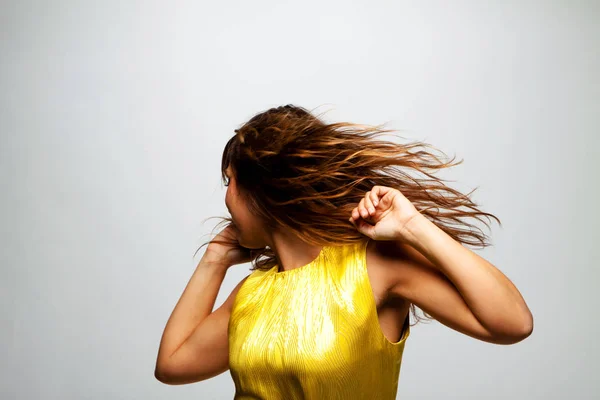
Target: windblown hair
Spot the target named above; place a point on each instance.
(298, 173)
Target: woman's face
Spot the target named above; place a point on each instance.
(251, 234)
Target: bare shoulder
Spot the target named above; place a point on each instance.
(398, 262)
(383, 278)
(392, 311)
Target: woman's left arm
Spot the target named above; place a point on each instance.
(493, 300)
(489, 294)
(427, 267)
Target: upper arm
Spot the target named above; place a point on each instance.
(413, 277)
(205, 353)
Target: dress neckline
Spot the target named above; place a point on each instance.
(314, 262)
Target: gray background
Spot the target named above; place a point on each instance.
(114, 115)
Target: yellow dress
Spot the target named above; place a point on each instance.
(313, 333)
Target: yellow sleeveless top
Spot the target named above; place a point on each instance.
(313, 333)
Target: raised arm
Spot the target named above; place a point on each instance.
(194, 345)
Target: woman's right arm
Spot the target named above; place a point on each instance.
(194, 345)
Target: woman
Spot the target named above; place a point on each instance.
(350, 242)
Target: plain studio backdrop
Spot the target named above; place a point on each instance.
(113, 119)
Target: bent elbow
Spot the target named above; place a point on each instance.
(527, 328)
(518, 334)
(160, 375)
(163, 375)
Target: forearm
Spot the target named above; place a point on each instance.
(490, 295)
(196, 303)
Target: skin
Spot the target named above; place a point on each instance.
(204, 353)
(292, 253)
(425, 267)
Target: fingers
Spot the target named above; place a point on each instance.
(374, 197)
(367, 205)
(360, 210)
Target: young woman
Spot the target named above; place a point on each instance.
(344, 242)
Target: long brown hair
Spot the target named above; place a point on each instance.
(298, 173)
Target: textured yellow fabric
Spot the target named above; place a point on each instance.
(313, 333)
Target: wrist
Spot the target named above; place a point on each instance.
(215, 261)
(413, 228)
